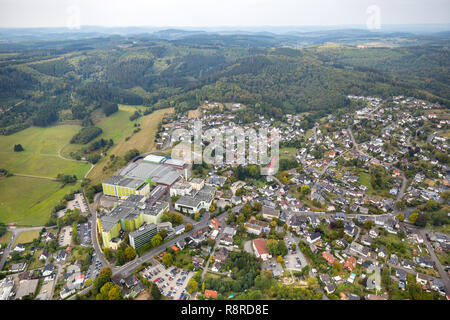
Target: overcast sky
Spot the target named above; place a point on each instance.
(219, 13)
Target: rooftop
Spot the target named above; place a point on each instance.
(260, 245)
(142, 230)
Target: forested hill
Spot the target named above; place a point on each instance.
(45, 82)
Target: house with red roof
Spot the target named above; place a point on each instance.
(329, 257)
(259, 247)
(211, 294)
(396, 173)
(214, 223)
(350, 263)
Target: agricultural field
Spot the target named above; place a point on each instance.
(29, 201)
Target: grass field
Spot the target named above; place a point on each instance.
(364, 179)
(120, 127)
(26, 237)
(291, 153)
(36, 262)
(115, 127)
(6, 238)
(43, 166)
(308, 133)
(142, 92)
(444, 257)
(29, 201)
(40, 157)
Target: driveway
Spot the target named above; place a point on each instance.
(377, 278)
(248, 246)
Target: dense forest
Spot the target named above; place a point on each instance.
(76, 77)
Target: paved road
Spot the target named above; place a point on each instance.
(95, 242)
(357, 234)
(350, 132)
(439, 267)
(322, 172)
(205, 268)
(132, 265)
(277, 181)
(15, 234)
(55, 280)
(402, 190)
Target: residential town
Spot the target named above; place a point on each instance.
(358, 210)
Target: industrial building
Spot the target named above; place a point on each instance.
(196, 200)
(143, 235)
(130, 215)
(139, 177)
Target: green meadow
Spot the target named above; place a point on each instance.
(29, 201)
(5, 239)
(40, 157)
(115, 127)
(288, 153)
(364, 179)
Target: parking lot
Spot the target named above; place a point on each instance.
(65, 237)
(94, 268)
(275, 267)
(84, 231)
(171, 281)
(80, 203)
(46, 290)
(295, 260)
